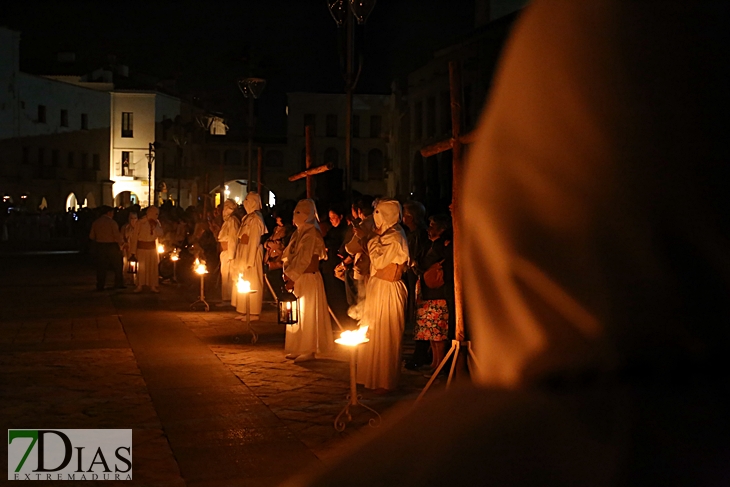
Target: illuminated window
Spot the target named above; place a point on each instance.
(127, 124)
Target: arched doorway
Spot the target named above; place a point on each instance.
(90, 201)
(125, 199)
(72, 203)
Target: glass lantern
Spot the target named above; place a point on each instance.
(288, 309)
(132, 265)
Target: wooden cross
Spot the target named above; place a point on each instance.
(455, 143)
(310, 171)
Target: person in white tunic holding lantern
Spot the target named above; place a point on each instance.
(250, 256)
(313, 332)
(228, 239)
(143, 245)
(378, 362)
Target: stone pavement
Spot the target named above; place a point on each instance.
(207, 406)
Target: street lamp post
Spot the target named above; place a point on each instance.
(343, 12)
(251, 89)
(150, 161)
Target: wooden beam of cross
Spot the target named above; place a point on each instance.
(310, 171)
(455, 143)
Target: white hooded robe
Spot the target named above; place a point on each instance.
(228, 234)
(250, 256)
(313, 332)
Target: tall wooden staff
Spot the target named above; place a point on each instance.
(455, 144)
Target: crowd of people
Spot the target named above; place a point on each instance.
(377, 264)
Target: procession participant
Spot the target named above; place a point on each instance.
(127, 231)
(249, 259)
(378, 361)
(144, 247)
(357, 248)
(107, 242)
(414, 215)
(313, 333)
(228, 239)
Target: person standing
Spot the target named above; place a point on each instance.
(378, 361)
(414, 215)
(144, 248)
(108, 246)
(228, 239)
(313, 333)
(250, 255)
(127, 230)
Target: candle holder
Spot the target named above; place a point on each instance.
(201, 270)
(174, 257)
(353, 339)
(244, 287)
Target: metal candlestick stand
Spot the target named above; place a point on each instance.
(254, 335)
(353, 398)
(201, 299)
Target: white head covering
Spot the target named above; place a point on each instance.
(596, 236)
(229, 206)
(387, 213)
(305, 213)
(252, 202)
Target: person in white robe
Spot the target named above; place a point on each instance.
(313, 333)
(228, 240)
(127, 230)
(249, 260)
(379, 360)
(143, 246)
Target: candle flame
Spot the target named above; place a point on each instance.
(243, 286)
(160, 249)
(200, 267)
(353, 337)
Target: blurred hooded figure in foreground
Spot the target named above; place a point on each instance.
(596, 262)
(249, 259)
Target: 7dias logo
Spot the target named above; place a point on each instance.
(69, 454)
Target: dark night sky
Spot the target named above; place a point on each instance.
(205, 45)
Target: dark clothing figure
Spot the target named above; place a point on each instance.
(107, 245)
(335, 288)
(418, 245)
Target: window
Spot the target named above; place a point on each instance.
(84, 160)
(70, 160)
(355, 165)
(126, 160)
(127, 124)
(54, 158)
(41, 156)
(445, 113)
(418, 121)
(310, 119)
(96, 162)
(430, 117)
(376, 125)
(26, 155)
(41, 114)
(331, 156)
(84, 121)
(376, 168)
(64, 118)
(274, 158)
(331, 125)
(356, 125)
